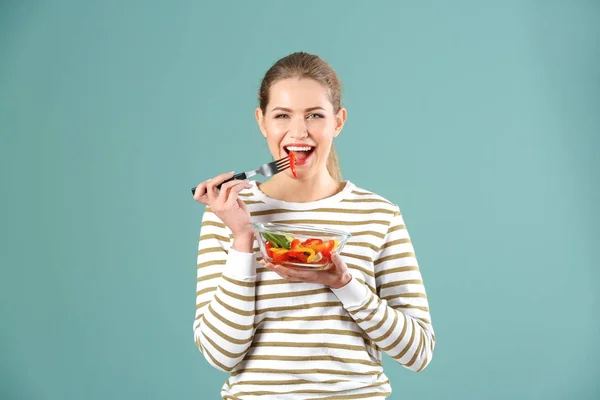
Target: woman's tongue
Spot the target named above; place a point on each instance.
(302, 155)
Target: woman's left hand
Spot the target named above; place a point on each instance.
(335, 276)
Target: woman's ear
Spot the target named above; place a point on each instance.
(340, 120)
(260, 119)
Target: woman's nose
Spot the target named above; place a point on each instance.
(299, 129)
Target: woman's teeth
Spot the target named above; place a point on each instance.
(295, 148)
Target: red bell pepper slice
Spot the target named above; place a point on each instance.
(325, 248)
(269, 251)
(299, 255)
(328, 247)
(293, 164)
(279, 258)
(295, 243)
(311, 242)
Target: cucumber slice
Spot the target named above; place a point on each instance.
(278, 240)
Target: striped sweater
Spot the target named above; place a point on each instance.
(297, 340)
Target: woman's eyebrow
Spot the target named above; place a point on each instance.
(289, 110)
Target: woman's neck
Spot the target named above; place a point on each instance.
(282, 187)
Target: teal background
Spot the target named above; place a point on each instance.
(480, 119)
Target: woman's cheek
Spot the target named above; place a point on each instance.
(280, 125)
(276, 129)
(317, 124)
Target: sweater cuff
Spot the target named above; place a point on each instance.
(353, 294)
(240, 265)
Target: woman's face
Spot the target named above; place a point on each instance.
(300, 117)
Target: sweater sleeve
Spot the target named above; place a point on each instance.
(225, 292)
(397, 318)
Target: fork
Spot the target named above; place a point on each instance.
(268, 169)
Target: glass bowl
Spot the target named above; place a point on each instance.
(299, 246)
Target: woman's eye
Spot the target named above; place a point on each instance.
(278, 116)
(316, 116)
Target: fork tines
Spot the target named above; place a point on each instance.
(282, 163)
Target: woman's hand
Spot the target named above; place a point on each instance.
(226, 204)
(335, 277)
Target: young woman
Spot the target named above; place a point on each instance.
(284, 333)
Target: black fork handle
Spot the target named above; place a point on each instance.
(240, 176)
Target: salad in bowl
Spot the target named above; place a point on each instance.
(296, 245)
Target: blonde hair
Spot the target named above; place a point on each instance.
(305, 65)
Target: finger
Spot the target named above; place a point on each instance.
(200, 193)
(232, 195)
(278, 269)
(298, 274)
(337, 260)
(273, 268)
(211, 191)
(288, 277)
(226, 188)
(221, 194)
(231, 189)
(211, 187)
(242, 205)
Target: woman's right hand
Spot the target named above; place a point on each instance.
(226, 204)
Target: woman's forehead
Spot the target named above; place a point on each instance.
(298, 94)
